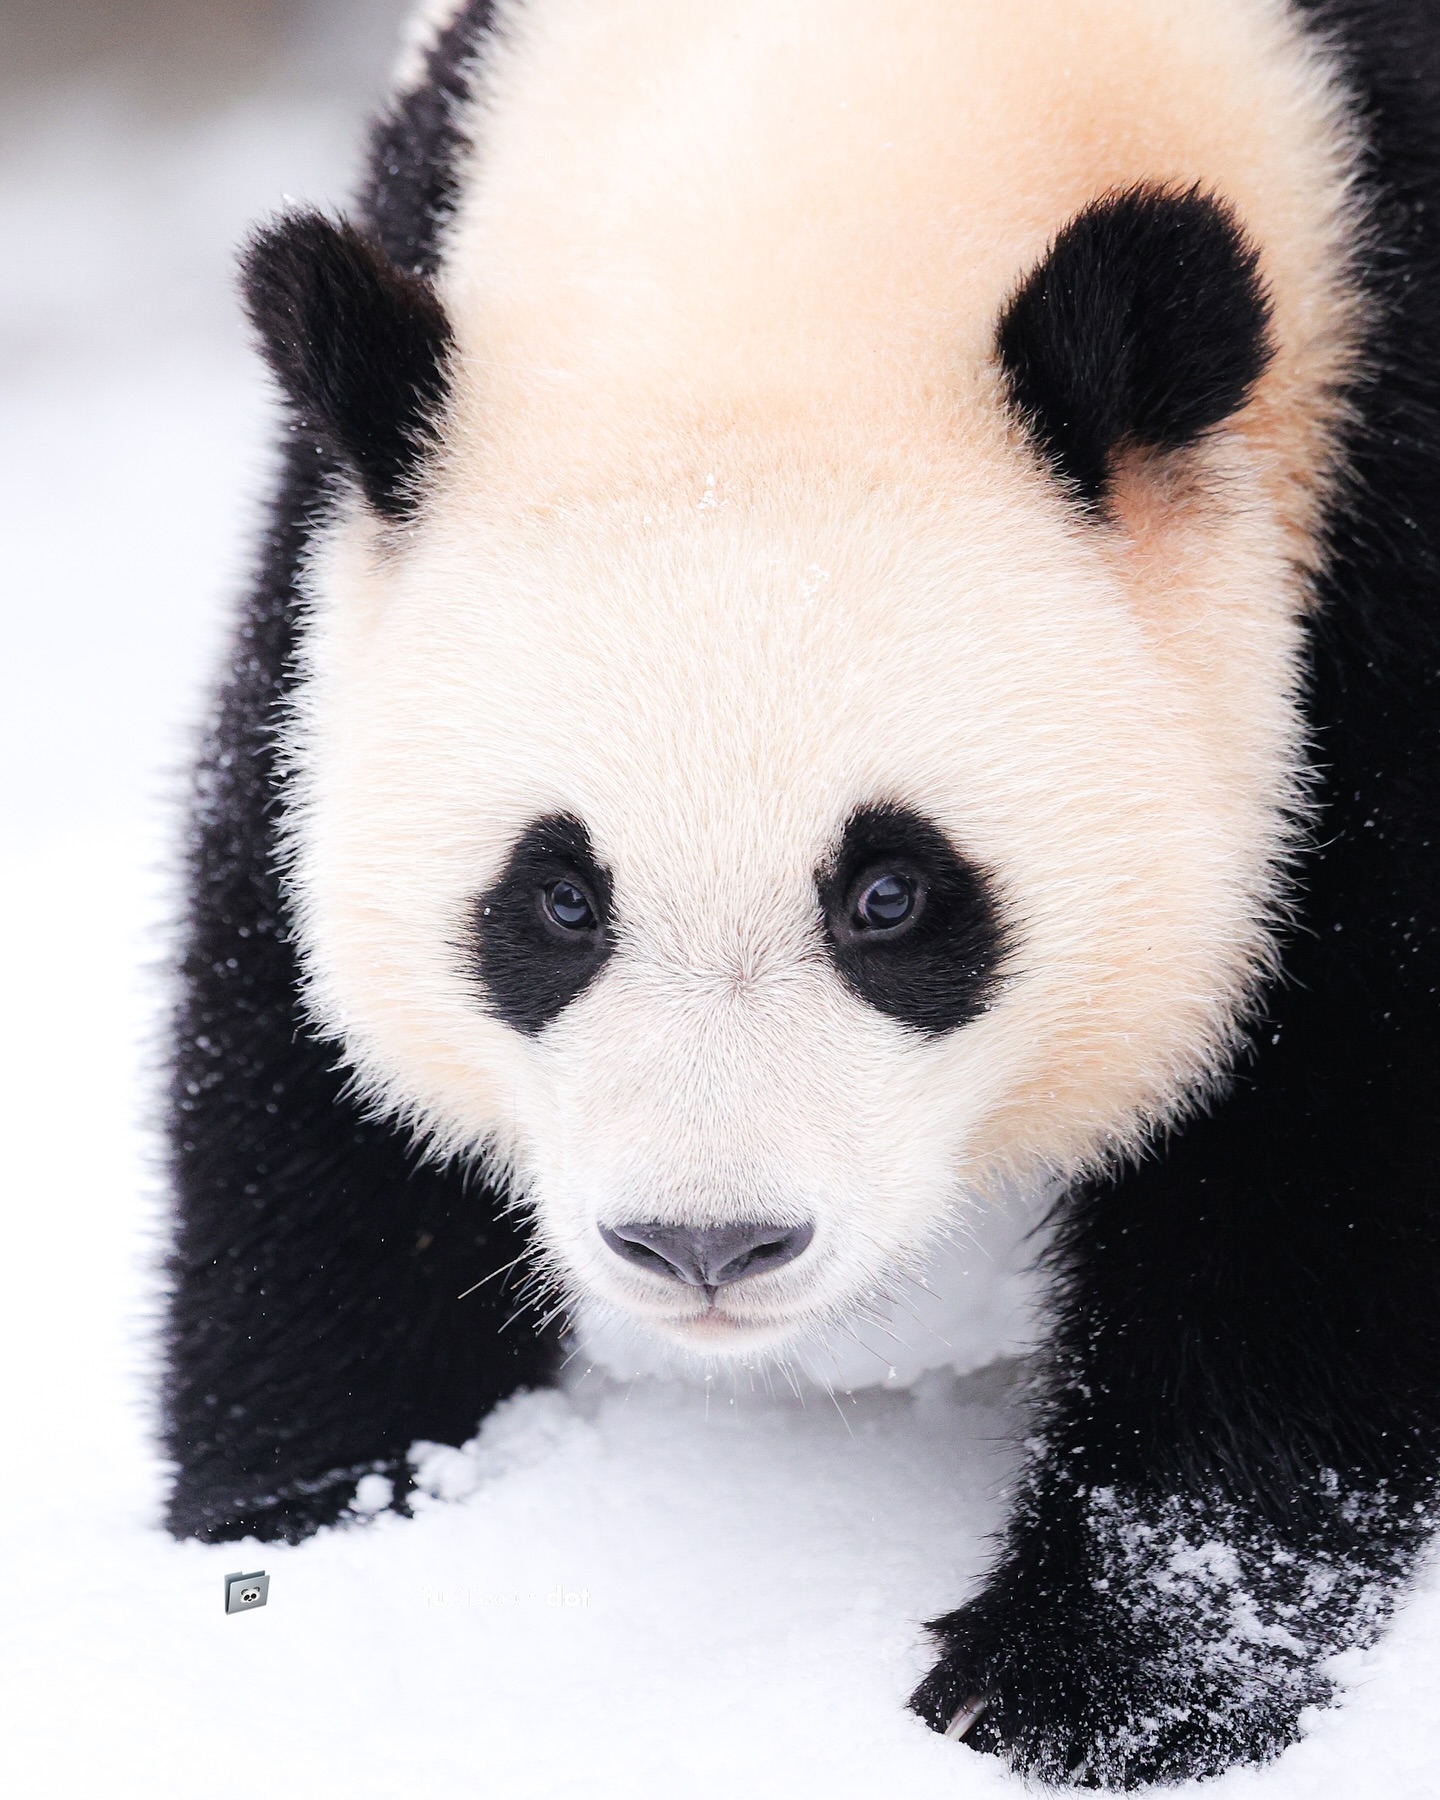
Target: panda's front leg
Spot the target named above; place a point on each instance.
(1230, 1472)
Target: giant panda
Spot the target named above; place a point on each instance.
(853, 617)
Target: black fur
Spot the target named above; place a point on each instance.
(940, 970)
(410, 189)
(1241, 1403)
(314, 1330)
(358, 346)
(1145, 325)
(530, 970)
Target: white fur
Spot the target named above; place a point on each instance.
(731, 535)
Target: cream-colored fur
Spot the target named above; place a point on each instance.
(731, 535)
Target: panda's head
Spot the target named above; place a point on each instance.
(758, 837)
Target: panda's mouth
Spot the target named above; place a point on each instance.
(717, 1331)
(720, 1322)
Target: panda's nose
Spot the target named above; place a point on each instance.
(709, 1256)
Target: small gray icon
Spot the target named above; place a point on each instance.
(243, 1593)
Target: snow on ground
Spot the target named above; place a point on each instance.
(635, 1588)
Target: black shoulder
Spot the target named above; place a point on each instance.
(412, 181)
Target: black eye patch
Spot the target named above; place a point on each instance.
(912, 926)
(542, 933)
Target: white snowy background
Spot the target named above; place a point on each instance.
(634, 1587)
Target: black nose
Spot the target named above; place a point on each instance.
(709, 1256)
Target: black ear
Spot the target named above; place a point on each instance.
(1145, 325)
(358, 346)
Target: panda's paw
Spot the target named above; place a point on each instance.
(1071, 1702)
(1075, 1713)
(1000, 1689)
(1129, 1642)
(218, 1511)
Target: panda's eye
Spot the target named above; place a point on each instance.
(911, 924)
(568, 905)
(886, 902)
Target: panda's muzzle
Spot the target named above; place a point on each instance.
(708, 1257)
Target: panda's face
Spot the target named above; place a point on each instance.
(798, 715)
(756, 873)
